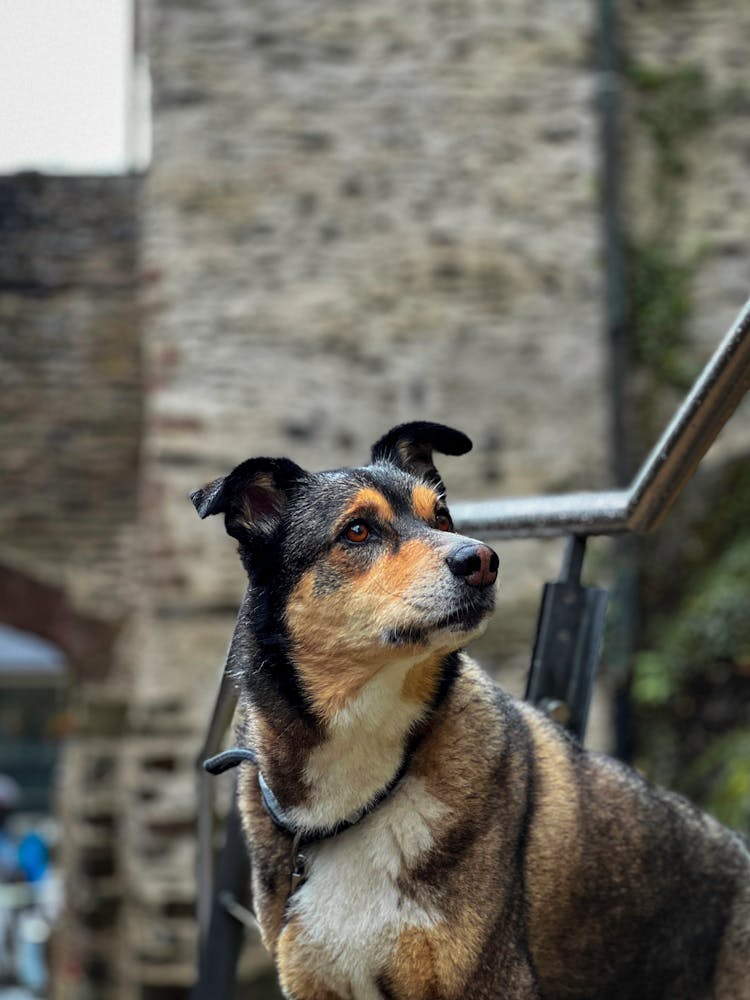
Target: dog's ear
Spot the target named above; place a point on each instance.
(253, 497)
(410, 447)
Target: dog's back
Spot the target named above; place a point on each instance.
(632, 891)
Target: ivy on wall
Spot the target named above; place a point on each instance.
(691, 683)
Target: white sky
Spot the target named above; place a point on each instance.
(66, 86)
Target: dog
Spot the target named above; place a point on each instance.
(414, 832)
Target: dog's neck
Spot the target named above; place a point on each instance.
(325, 768)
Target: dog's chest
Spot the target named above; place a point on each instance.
(347, 917)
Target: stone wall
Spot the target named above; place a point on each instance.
(685, 115)
(358, 216)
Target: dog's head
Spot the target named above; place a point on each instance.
(358, 567)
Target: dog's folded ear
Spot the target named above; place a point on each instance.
(252, 497)
(411, 446)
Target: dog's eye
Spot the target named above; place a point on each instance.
(443, 521)
(357, 532)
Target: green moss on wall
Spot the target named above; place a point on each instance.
(661, 303)
(691, 682)
(692, 689)
(670, 106)
(673, 105)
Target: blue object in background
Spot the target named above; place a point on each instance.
(33, 857)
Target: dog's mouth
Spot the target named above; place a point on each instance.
(463, 620)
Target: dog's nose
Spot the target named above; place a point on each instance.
(475, 562)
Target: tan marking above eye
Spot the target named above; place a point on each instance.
(425, 504)
(424, 501)
(368, 499)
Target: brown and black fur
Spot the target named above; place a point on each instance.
(507, 862)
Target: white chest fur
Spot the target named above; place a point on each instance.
(363, 750)
(351, 909)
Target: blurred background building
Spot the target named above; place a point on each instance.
(519, 218)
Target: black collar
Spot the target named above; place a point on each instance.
(237, 755)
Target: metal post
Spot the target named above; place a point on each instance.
(220, 949)
(569, 634)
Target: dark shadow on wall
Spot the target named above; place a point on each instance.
(46, 611)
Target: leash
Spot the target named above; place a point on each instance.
(301, 838)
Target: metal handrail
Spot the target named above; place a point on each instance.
(673, 460)
(640, 508)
